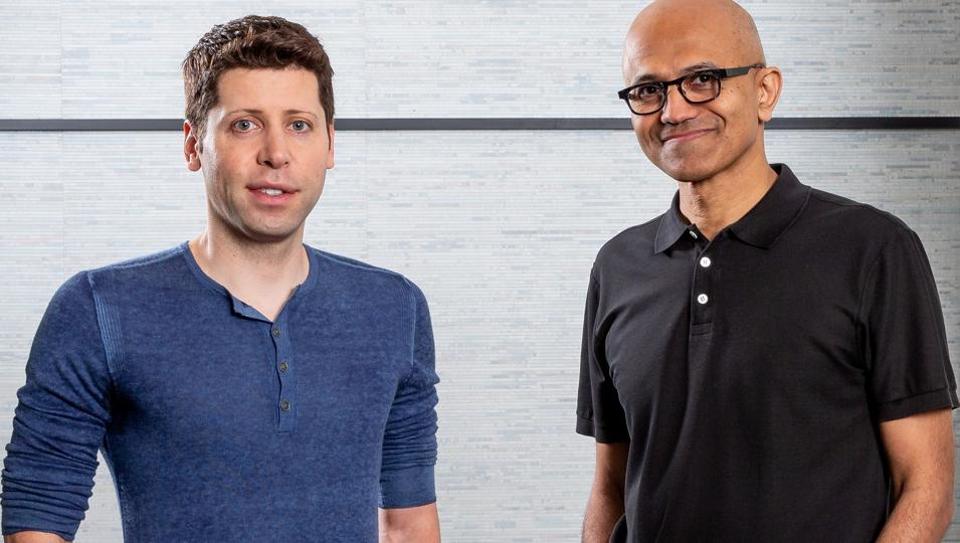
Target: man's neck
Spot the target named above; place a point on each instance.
(262, 274)
(717, 202)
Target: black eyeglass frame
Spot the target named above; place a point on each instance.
(719, 73)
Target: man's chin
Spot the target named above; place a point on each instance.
(273, 236)
(269, 234)
(680, 164)
(685, 173)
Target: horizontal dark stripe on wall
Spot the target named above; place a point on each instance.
(513, 123)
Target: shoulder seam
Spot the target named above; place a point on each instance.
(107, 343)
(885, 215)
(138, 262)
(863, 291)
(344, 261)
(413, 329)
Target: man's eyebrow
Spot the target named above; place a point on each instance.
(242, 110)
(644, 78)
(705, 65)
(301, 112)
(260, 112)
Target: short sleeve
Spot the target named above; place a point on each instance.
(409, 442)
(904, 338)
(599, 413)
(60, 420)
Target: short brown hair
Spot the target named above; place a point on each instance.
(251, 42)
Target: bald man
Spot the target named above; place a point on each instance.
(765, 361)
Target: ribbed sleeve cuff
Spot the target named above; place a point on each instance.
(28, 519)
(409, 487)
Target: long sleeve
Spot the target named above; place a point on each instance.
(60, 419)
(409, 443)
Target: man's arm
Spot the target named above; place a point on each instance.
(408, 511)
(59, 422)
(605, 505)
(410, 525)
(919, 449)
(33, 537)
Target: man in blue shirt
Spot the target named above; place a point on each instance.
(242, 386)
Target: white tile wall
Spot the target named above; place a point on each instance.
(435, 58)
(498, 228)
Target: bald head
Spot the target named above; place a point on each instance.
(699, 136)
(720, 29)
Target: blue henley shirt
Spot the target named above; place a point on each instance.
(218, 424)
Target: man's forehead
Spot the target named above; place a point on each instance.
(268, 88)
(668, 60)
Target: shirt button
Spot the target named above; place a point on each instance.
(276, 332)
(692, 234)
(702, 299)
(284, 405)
(705, 262)
(283, 367)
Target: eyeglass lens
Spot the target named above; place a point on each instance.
(696, 88)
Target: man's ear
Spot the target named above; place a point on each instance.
(330, 133)
(768, 93)
(191, 146)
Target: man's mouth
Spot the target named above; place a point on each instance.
(271, 188)
(683, 136)
(272, 194)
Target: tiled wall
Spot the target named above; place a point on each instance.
(498, 228)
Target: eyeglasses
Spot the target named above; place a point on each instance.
(696, 88)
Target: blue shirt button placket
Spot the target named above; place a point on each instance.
(284, 374)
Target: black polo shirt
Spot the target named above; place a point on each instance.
(749, 373)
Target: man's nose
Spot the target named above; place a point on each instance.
(274, 152)
(676, 109)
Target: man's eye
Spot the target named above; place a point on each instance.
(704, 79)
(243, 125)
(646, 92)
(300, 126)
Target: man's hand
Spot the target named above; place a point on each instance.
(410, 525)
(920, 452)
(32, 537)
(605, 505)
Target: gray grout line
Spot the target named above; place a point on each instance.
(513, 123)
